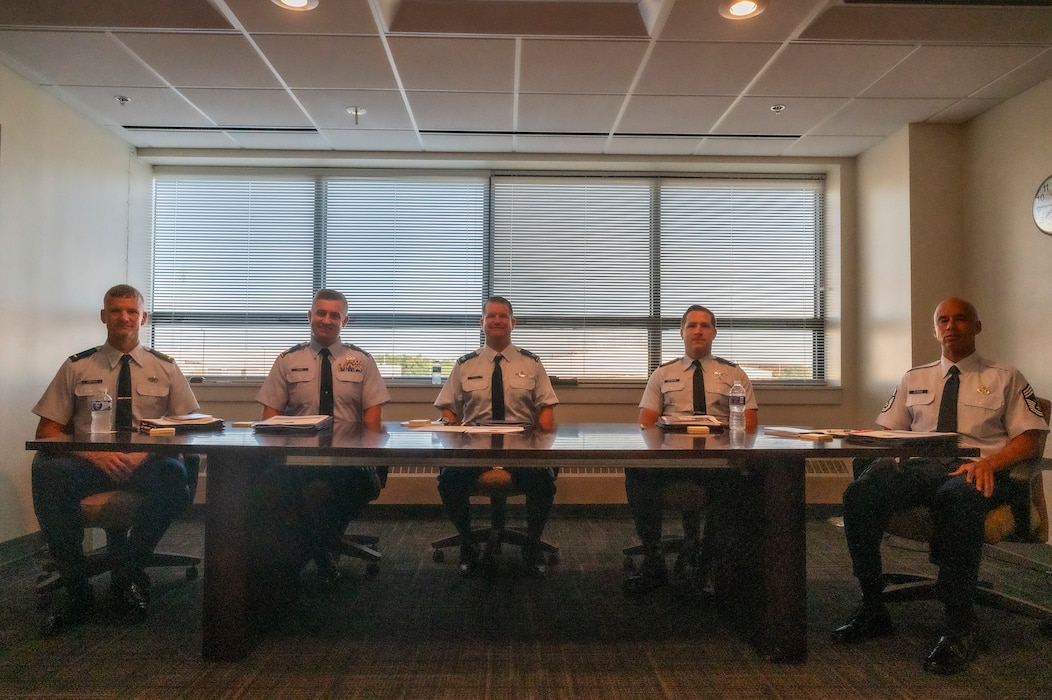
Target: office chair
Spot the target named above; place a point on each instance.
(693, 550)
(114, 512)
(497, 485)
(1023, 519)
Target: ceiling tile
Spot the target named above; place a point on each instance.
(145, 106)
(667, 114)
(752, 147)
(579, 67)
(168, 14)
(486, 65)
(373, 139)
(62, 58)
(471, 111)
(564, 144)
(634, 145)
(220, 60)
(949, 71)
(569, 113)
(700, 20)
(817, 70)
(963, 110)
(831, 146)
(329, 61)
(328, 108)
(286, 141)
(702, 69)
(329, 17)
(868, 117)
(248, 107)
(1020, 78)
(470, 143)
(753, 115)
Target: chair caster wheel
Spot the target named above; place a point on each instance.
(628, 565)
(191, 573)
(438, 556)
(372, 568)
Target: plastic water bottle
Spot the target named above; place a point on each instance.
(102, 412)
(436, 372)
(737, 408)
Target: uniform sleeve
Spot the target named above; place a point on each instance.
(57, 403)
(181, 399)
(544, 393)
(895, 415)
(651, 399)
(1021, 410)
(275, 391)
(374, 391)
(447, 395)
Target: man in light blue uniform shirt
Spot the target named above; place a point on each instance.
(528, 397)
(670, 391)
(332, 496)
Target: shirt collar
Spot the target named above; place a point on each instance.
(968, 364)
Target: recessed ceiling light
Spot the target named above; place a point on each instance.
(301, 5)
(742, 9)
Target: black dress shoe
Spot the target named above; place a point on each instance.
(133, 598)
(650, 577)
(76, 609)
(952, 653)
(866, 623)
(469, 560)
(534, 560)
(329, 573)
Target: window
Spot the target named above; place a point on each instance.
(599, 268)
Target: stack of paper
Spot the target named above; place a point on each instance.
(683, 421)
(292, 424)
(183, 423)
(900, 437)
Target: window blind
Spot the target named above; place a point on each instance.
(599, 267)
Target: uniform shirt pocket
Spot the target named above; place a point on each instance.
(353, 377)
(476, 383)
(520, 382)
(298, 375)
(916, 399)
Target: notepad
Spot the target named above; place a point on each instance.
(292, 424)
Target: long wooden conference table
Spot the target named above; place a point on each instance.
(233, 605)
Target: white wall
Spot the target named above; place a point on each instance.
(1009, 260)
(64, 222)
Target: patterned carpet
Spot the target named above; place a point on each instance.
(417, 630)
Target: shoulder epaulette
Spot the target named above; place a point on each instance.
(529, 354)
(670, 362)
(352, 346)
(160, 355)
(470, 356)
(84, 353)
(725, 362)
(930, 364)
(294, 348)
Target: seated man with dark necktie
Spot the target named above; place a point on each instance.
(146, 384)
(498, 382)
(699, 383)
(992, 407)
(324, 376)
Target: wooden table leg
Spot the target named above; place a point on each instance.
(227, 629)
(783, 634)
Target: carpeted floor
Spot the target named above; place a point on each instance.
(417, 630)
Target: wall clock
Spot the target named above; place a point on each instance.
(1043, 206)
